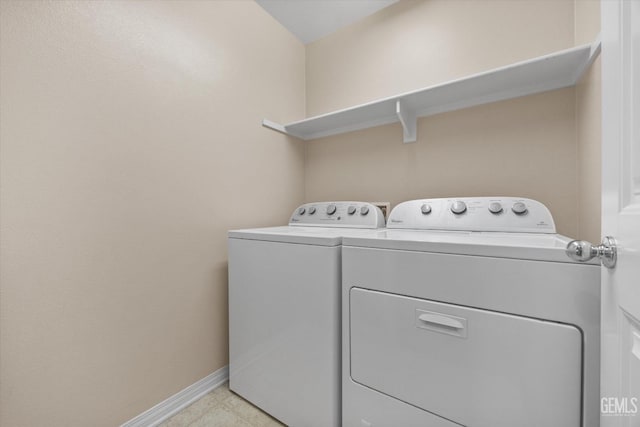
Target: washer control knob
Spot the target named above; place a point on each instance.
(519, 208)
(331, 209)
(312, 210)
(301, 211)
(495, 207)
(425, 209)
(351, 210)
(364, 210)
(458, 207)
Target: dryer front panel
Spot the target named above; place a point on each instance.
(474, 367)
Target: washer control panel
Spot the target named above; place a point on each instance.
(508, 214)
(338, 214)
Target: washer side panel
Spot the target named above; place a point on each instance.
(284, 319)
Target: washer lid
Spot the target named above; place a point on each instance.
(320, 223)
(532, 246)
(322, 236)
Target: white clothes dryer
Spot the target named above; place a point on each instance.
(284, 311)
(468, 312)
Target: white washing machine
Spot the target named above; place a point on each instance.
(284, 311)
(468, 312)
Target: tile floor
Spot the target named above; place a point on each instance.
(221, 408)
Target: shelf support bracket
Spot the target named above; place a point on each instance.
(408, 120)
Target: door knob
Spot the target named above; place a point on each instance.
(580, 250)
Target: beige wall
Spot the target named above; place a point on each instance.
(588, 127)
(130, 144)
(525, 146)
(417, 43)
(516, 147)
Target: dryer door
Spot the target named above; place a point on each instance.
(474, 367)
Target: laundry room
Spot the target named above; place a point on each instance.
(221, 212)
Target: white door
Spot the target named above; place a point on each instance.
(620, 376)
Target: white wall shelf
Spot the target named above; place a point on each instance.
(555, 71)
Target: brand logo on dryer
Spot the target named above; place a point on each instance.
(617, 406)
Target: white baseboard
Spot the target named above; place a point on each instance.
(174, 404)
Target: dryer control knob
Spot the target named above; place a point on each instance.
(458, 207)
(312, 210)
(301, 211)
(495, 207)
(331, 209)
(519, 208)
(364, 210)
(351, 210)
(425, 209)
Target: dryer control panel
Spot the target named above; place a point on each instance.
(338, 214)
(506, 214)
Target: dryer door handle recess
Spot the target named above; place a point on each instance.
(441, 320)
